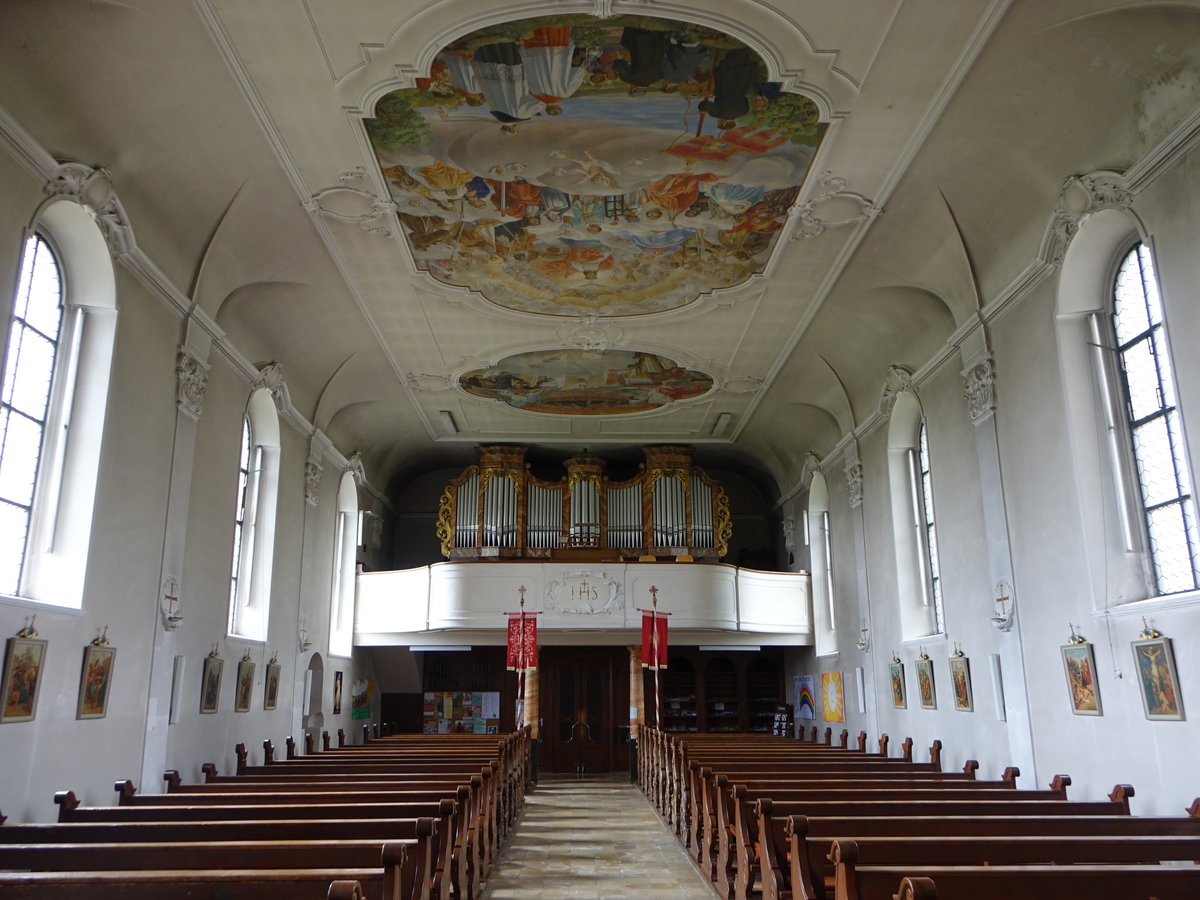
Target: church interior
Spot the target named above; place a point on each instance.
(852, 339)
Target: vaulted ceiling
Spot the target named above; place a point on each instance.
(425, 286)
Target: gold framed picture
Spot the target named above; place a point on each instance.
(245, 686)
(94, 681)
(1158, 679)
(210, 684)
(1079, 661)
(271, 690)
(896, 678)
(23, 661)
(960, 679)
(925, 684)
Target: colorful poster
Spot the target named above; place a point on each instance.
(360, 699)
(805, 693)
(833, 706)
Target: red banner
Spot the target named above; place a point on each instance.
(654, 641)
(522, 642)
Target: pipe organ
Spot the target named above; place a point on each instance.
(499, 508)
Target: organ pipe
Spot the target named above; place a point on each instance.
(499, 508)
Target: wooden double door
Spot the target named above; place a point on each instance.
(584, 708)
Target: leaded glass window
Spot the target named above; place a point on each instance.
(33, 342)
(1155, 428)
(932, 573)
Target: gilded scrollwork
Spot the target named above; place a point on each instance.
(445, 519)
(722, 521)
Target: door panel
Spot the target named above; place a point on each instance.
(583, 736)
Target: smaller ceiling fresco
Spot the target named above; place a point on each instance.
(577, 382)
(569, 165)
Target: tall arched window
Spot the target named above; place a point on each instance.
(254, 520)
(1155, 430)
(345, 543)
(25, 408)
(57, 362)
(910, 485)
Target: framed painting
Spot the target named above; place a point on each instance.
(210, 684)
(245, 686)
(337, 693)
(1158, 679)
(94, 681)
(1079, 660)
(960, 678)
(896, 677)
(833, 703)
(271, 691)
(23, 660)
(925, 684)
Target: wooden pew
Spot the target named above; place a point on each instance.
(386, 881)
(457, 855)
(404, 876)
(1029, 882)
(991, 842)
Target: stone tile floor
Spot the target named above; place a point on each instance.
(596, 837)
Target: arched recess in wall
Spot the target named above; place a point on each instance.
(61, 525)
(821, 556)
(1105, 479)
(314, 693)
(918, 616)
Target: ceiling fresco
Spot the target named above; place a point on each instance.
(570, 165)
(584, 382)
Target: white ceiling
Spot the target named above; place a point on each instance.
(233, 132)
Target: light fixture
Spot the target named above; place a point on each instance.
(438, 648)
(718, 648)
(722, 424)
(864, 637)
(305, 643)
(447, 420)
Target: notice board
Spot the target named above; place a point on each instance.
(461, 712)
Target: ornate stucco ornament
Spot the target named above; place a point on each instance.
(979, 389)
(1080, 197)
(854, 483)
(590, 332)
(92, 188)
(841, 207)
(349, 201)
(897, 381)
(191, 381)
(312, 482)
(584, 593)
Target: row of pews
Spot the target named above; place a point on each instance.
(401, 817)
(807, 820)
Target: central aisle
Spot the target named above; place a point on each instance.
(592, 836)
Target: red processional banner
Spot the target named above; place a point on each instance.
(522, 642)
(654, 641)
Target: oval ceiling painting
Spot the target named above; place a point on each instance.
(570, 165)
(577, 382)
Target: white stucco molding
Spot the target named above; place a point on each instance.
(191, 381)
(979, 391)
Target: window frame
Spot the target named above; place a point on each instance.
(61, 529)
(253, 544)
(1128, 460)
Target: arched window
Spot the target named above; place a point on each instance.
(254, 520)
(57, 362)
(821, 553)
(1155, 431)
(25, 409)
(345, 543)
(910, 484)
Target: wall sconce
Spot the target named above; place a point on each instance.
(305, 643)
(1004, 608)
(169, 604)
(864, 638)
